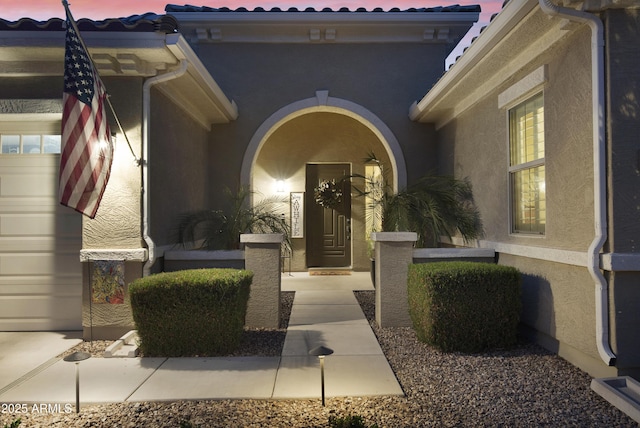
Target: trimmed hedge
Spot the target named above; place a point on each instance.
(190, 312)
(464, 306)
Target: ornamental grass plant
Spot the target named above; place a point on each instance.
(432, 206)
(221, 229)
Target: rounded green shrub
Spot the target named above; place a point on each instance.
(191, 312)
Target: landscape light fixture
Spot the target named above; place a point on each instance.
(321, 352)
(76, 357)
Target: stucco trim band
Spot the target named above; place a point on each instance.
(204, 255)
(612, 262)
(322, 102)
(525, 87)
(130, 255)
(452, 253)
(616, 262)
(568, 257)
(394, 236)
(31, 106)
(261, 238)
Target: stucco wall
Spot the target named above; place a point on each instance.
(481, 151)
(42, 87)
(104, 321)
(262, 78)
(558, 299)
(623, 115)
(118, 222)
(559, 310)
(179, 168)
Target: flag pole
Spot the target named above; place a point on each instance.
(72, 21)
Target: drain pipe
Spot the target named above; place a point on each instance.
(146, 134)
(599, 177)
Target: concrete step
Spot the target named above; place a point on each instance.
(125, 347)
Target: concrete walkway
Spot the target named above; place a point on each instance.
(325, 312)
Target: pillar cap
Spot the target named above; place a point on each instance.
(261, 238)
(394, 236)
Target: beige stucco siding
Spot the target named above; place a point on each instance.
(558, 298)
(118, 222)
(481, 145)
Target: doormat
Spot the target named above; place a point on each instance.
(314, 272)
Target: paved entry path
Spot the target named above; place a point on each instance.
(325, 312)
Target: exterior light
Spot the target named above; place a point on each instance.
(76, 357)
(321, 352)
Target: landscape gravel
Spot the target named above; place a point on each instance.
(521, 387)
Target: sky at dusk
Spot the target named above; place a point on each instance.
(42, 10)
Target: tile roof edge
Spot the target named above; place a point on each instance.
(173, 8)
(148, 22)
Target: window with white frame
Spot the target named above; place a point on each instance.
(527, 166)
(29, 133)
(28, 144)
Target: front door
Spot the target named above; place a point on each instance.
(328, 228)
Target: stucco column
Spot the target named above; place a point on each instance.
(393, 253)
(262, 257)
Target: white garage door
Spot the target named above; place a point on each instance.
(40, 241)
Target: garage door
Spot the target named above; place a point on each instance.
(40, 241)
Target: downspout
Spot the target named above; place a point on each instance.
(599, 177)
(146, 134)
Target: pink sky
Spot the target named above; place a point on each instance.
(99, 9)
(41, 10)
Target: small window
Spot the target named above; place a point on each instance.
(28, 144)
(10, 144)
(527, 166)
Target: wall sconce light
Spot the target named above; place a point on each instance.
(280, 187)
(321, 352)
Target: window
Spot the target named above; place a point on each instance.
(29, 144)
(527, 166)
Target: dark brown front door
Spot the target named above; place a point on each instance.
(328, 229)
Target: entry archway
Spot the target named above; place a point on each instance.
(316, 131)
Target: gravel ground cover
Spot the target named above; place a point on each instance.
(521, 387)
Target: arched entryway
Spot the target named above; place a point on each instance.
(321, 135)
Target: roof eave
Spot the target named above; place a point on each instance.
(314, 27)
(134, 54)
(432, 107)
(213, 106)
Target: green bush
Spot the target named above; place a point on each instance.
(190, 312)
(464, 306)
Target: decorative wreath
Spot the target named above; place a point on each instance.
(328, 194)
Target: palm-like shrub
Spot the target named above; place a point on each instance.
(219, 230)
(433, 206)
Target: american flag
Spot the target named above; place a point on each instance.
(87, 151)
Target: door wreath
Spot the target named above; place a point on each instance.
(328, 194)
